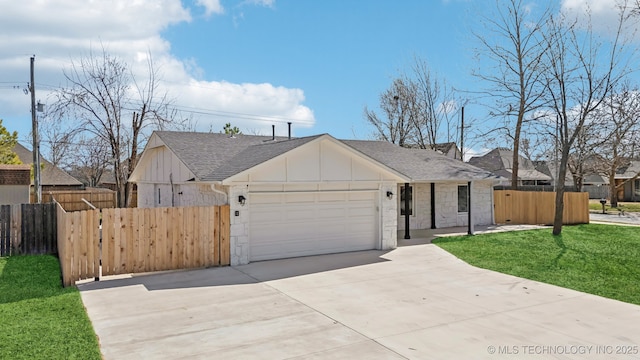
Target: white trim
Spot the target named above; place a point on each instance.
(311, 192)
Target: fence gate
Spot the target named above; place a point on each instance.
(122, 241)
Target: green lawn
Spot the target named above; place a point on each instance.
(597, 259)
(38, 318)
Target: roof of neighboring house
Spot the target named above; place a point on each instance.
(500, 162)
(629, 172)
(50, 175)
(549, 168)
(227, 156)
(445, 148)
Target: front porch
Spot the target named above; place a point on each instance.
(425, 236)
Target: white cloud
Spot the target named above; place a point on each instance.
(211, 6)
(265, 3)
(59, 31)
(604, 14)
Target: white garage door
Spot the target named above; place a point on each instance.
(292, 224)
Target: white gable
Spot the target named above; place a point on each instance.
(322, 160)
(158, 164)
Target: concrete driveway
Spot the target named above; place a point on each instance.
(415, 302)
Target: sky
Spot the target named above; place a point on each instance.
(253, 63)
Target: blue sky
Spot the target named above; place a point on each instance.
(252, 62)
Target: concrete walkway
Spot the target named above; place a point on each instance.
(415, 302)
(629, 218)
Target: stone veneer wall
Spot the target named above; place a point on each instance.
(447, 205)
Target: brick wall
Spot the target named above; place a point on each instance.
(15, 175)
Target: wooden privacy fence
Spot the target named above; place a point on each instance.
(72, 200)
(141, 240)
(28, 229)
(538, 208)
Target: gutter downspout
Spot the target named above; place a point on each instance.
(433, 205)
(469, 217)
(406, 211)
(226, 197)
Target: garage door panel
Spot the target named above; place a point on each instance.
(300, 224)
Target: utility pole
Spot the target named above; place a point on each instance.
(462, 135)
(36, 147)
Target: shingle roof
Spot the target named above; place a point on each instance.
(419, 164)
(500, 162)
(215, 157)
(630, 171)
(51, 175)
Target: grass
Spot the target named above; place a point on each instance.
(38, 318)
(595, 205)
(598, 259)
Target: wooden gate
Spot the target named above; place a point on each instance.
(121, 241)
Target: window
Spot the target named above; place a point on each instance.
(402, 197)
(463, 198)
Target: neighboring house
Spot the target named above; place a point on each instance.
(499, 161)
(52, 178)
(15, 181)
(449, 150)
(630, 191)
(311, 195)
(550, 169)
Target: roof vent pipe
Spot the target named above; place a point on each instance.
(289, 123)
(273, 132)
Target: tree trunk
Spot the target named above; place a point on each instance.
(613, 190)
(562, 173)
(515, 164)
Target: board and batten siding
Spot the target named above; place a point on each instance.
(320, 161)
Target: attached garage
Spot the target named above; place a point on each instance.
(290, 224)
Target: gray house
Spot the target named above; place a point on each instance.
(52, 177)
(312, 195)
(499, 161)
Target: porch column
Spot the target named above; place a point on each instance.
(470, 218)
(433, 205)
(407, 199)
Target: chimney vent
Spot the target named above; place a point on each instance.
(273, 132)
(289, 123)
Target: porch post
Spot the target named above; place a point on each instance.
(407, 199)
(470, 218)
(433, 205)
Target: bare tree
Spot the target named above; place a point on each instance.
(58, 139)
(435, 107)
(89, 160)
(419, 110)
(515, 46)
(619, 120)
(579, 78)
(107, 101)
(395, 102)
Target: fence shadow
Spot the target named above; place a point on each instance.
(256, 272)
